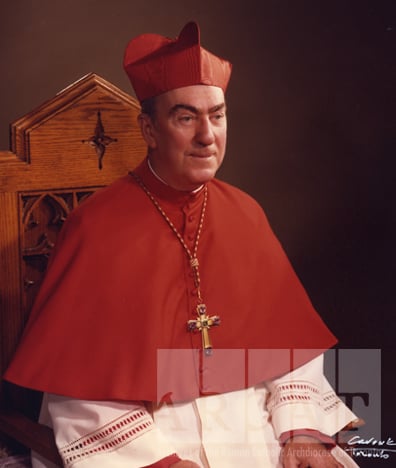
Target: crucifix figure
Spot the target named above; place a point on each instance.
(203, 323)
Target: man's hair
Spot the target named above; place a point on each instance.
(149, 107)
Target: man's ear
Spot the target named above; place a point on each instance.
(147, 129)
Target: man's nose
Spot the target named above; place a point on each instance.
(204, 132)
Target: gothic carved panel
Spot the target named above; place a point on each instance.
(42, 215)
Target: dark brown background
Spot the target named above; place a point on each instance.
(311, 126)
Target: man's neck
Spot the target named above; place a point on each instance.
(163, 181)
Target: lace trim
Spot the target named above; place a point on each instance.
(330, 401)
(108, 438)
(302, 393)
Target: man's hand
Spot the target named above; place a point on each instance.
(307, 452)
(184, 464)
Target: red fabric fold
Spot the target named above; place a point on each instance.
(110, 320)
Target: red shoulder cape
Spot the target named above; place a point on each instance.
(109, 322)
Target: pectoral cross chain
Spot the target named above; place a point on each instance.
(203, 322)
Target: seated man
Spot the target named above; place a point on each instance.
(171, 330)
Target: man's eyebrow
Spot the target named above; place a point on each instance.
(217, 108)
(194, 109)
(187, 107)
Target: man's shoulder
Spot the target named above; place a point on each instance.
(103, 205)
(105, 197)
(234, 195)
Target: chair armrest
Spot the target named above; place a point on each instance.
(31, 434)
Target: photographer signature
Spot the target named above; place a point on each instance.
(371, 447)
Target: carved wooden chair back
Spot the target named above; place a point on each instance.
(82, 139)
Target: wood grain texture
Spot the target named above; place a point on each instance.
(11, 319)
(49, 146)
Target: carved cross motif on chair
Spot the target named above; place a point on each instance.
(100, 140)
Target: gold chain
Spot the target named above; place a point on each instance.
(194, 263)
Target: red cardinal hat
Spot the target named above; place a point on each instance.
(156, 64)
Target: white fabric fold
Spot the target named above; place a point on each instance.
(229, 430)
(304, 398)
(103, 434)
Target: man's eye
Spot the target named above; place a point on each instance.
(185, 118)
(218, 116)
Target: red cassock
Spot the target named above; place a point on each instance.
(110, 320)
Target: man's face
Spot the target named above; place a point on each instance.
(187, 137)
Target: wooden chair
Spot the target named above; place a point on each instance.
(82, 139)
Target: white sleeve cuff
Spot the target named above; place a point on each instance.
(103, 433)
(303, 399)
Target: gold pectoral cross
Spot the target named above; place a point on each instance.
(203, 323)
